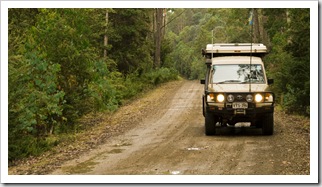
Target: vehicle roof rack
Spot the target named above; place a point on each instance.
(234, 49)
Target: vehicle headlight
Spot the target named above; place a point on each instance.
(220, 97)
(249, 98)
(230, 98)
(258, 98)
(211, 97)
(268, 97)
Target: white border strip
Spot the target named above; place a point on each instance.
(159, 4)
(313, 178)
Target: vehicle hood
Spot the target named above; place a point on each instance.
(238, 87)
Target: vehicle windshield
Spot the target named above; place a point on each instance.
(237, 74)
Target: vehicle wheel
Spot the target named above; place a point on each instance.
(210, 124)
(268, 124)
(258, 123)
(203, 106)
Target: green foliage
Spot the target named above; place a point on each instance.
(105, 87)
(237, 26)
(277, 63)
(160, 75)
(188, 37)
(35, 103)
(128, 33)
(57, 71)
(28, 146)
(66, 38)
(276, 22)
(299, 34)
(289, 59)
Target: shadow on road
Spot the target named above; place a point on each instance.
(243, 131)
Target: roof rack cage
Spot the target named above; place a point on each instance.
(236, 48)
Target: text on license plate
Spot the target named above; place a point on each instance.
(240, 105)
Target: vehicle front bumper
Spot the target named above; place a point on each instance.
(254, 110)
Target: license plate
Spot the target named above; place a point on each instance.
(240, 105)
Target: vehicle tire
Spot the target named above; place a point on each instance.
(203, 106)
(268, 124)
(210, 124)
(258, 123)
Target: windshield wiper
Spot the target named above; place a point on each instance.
(251, 81)
(228, 81)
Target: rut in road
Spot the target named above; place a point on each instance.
(171, 140)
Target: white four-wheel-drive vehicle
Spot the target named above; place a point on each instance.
(236, 87)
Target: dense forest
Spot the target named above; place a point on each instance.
(66, 63)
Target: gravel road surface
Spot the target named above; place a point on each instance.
(166, 137)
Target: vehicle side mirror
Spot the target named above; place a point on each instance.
(270, 81)
(202, 81)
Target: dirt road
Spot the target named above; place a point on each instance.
(168, 138)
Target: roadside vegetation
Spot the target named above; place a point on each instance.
(66, 63)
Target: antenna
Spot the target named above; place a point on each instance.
(251, 48)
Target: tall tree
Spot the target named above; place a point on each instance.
(256, 26)
(158, 36)
(105, 35)
(298, 95)
(129, 37)
(289, 58)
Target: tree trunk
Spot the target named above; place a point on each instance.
(157, 37)
(263, 32)
(105, 36)
(256, 27)
(163, 23)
